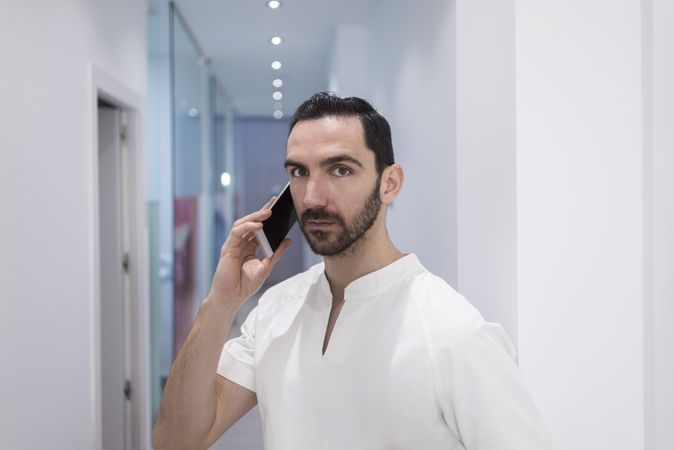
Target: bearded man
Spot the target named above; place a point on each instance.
(367, 350)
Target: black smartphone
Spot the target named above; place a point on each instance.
(282, 219)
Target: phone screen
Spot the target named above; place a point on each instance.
(282, 219)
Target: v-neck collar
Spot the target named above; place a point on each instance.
(371, 284)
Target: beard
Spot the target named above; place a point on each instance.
(346, 239)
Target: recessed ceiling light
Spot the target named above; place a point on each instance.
(278, 95)
(278, 105)
(225, 179)
(277, 83)
(276, 40)
(273, 4)
(276, 65)
(278, 114)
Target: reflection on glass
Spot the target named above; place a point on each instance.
(159, 198)
(188, 193)
(190, 146)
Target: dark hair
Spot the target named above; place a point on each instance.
(375, 127)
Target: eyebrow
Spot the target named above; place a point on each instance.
(325, 162)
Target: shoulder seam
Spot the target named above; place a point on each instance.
(432, 360)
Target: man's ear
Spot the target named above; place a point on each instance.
(391, 183)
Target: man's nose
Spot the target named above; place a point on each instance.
(314, 194)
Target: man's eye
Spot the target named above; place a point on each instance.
(342, 171)
(297, 172)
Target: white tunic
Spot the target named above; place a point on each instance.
(410, 365)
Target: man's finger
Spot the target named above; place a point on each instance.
(269, 203)
(241, 232)
(239, 250)
(254, 217)
(269, 263)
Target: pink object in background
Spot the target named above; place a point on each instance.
(185, 216)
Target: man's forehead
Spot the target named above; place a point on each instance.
(320, 137)
(326, 129)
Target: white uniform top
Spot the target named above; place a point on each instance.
(410, 365)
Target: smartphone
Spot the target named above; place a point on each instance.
(276, 228)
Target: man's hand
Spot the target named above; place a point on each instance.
(239, 273)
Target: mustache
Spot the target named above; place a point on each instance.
(320, 214)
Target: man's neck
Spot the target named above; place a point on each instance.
(371, 254)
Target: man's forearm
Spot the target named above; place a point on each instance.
(189, 401)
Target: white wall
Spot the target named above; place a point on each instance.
(411, 79)
(580, 217)
(661, 372)
(485, 152)
(45, 171)
(349, 51)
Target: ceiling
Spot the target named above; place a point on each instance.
(234, 35)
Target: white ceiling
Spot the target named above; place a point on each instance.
(235, 34)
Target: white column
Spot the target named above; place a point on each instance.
(580, 217)
(661, 371)
(562, 188)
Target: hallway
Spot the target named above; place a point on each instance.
(536, 141)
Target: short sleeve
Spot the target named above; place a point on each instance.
(482, 394)
(237, 360)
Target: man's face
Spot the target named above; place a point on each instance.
(334, 183)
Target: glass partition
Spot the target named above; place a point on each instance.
(160, 197)
(188, 196)
(191, 179)
(222, 185)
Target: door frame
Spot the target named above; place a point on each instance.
(103, 85)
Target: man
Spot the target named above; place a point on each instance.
(367, 350)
